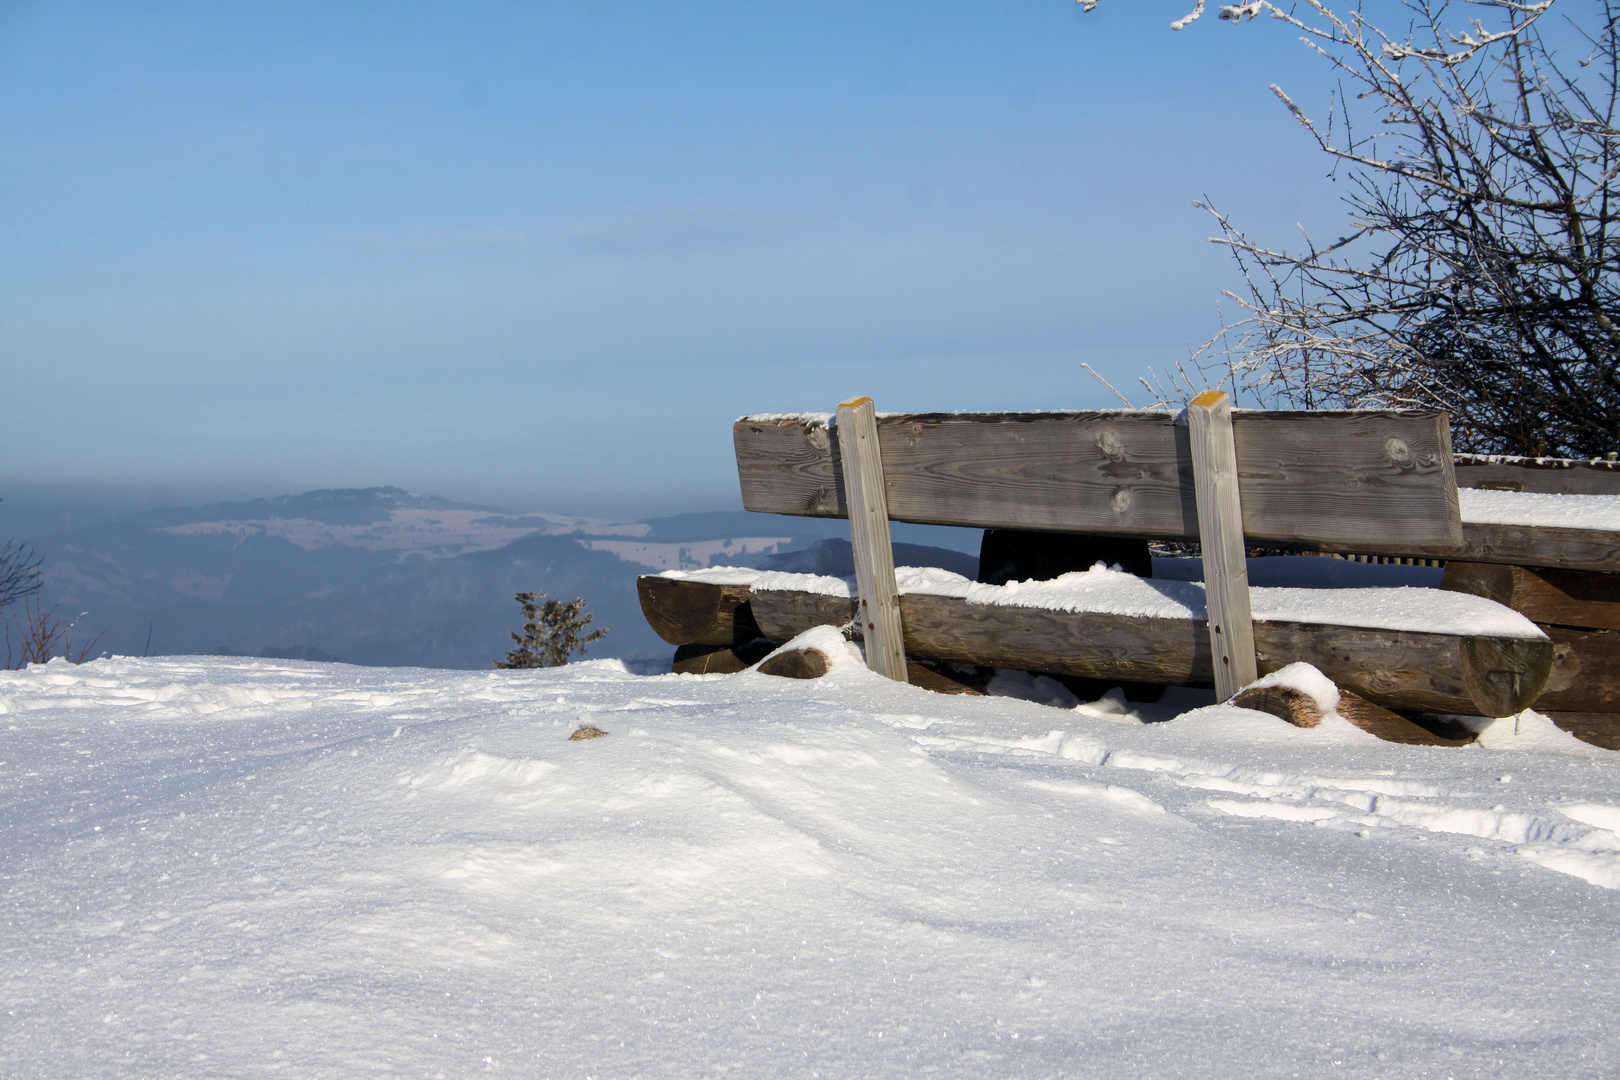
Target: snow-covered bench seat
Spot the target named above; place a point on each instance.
(1561, 531)
(1404, 647)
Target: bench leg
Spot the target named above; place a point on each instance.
(1220, 535)
(879, 608)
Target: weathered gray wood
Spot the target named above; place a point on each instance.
(789, 467)
(1524, 545)
(786, 614)
(1120, 648)
(1554, 476)
(1303, 476)
(1560, 597)
(1396, 669)
(1220, 535)
(696, 612)
(879, 600)
(1357, 475)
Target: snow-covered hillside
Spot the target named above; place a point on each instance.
(225, 868)
(382, 576)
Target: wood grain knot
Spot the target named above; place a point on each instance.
(1109, 446)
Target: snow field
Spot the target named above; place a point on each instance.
(225, 867)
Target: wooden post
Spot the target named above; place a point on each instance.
(879, 607)
(1220, 535)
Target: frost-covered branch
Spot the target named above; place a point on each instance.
(1479, 271)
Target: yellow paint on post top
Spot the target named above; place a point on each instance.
(854, 403)
(1209, 397)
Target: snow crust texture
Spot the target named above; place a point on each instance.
(219, 867)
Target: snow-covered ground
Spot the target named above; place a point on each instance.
(223, 868)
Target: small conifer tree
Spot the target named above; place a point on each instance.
(551, 632)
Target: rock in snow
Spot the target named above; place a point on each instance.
(227, 867)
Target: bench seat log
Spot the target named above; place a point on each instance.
(1445, 673)
(1585, 674)
(1580, 612)
(1557, 597)
(696, 613)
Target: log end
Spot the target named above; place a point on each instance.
(1504, 676)
(1283, 702)
(696, 612)
(797, 664)
(1301, 710)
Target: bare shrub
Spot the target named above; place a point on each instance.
(36, 634)
(1479, 273)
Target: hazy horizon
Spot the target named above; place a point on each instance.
(546, 253)
(31, 511)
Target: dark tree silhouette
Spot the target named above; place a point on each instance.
(551, 633)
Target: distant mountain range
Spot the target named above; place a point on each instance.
(384, 576)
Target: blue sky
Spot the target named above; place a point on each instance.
(543, 254)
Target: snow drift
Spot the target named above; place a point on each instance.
(220, 867)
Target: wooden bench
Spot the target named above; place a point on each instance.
(1130, 474)
(1380, 483)
(1577, 608)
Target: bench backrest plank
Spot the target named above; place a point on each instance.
(1325, 478)
(1551, 476)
